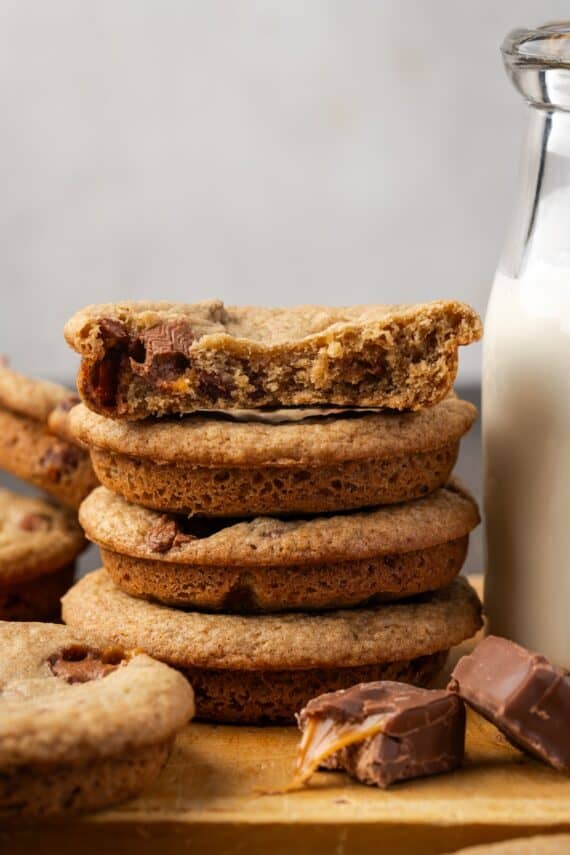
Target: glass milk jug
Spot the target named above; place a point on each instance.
(526, 368)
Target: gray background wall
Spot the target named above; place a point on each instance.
(261, 151)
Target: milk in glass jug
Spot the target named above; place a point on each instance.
(526, 368)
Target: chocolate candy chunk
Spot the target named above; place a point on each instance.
(160, 537)
(103, 376)
(525, 696)
(80, 664)
(215, 387)
(162, 352)
(113, 333)
(382, 732)
(167, 532)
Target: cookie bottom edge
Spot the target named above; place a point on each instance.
(265, 490)
(278, 588)
(61, 789)
(274, 697)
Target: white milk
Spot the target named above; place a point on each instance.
(526, 431)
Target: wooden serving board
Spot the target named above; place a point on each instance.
(208, 800)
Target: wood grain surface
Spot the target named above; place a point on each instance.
(208, 800)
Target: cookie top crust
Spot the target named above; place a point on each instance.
(35, 537)
(66, 697)
(259, 327)
(217, 441)
(29, 396)
(394, 632)
(116, 524)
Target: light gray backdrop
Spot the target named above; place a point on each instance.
(272, 151)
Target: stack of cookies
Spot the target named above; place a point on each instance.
(277, 517)
(39, 540)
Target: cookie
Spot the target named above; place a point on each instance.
(269, 564)
(217, 466)
(264, 668)
(38, 546)
(146, 359)
(81, 726)
(35, 441)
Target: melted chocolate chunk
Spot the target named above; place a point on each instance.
(161, 535)
(170, 531)
(167, 532)
(384, 732)
(61, 459)
(162, 352)
(113, 333)
(215, 387)
(525, 696)
(103, 377)
(80, 664)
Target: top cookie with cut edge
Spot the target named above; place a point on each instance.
(144, 359)
(66, 696)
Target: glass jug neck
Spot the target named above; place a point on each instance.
(540, 229)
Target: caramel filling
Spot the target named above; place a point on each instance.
(324, 737)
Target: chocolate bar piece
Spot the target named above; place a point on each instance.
(382, 732)
(525, 696)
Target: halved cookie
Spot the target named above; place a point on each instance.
(39, 543)
(35, 442)
(266, 668)
(268, 564)
(143, 359)
(81, 725)
(216, 466)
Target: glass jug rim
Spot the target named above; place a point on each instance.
(548, 45)
(538, 63)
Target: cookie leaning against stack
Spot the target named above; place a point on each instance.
(266, 518)
(39, 541)
(38, 547)
(35, 442)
